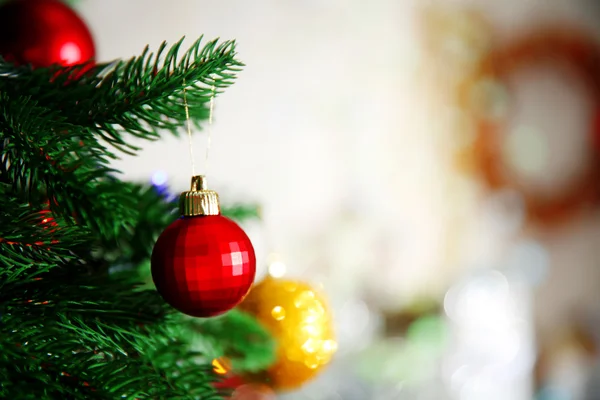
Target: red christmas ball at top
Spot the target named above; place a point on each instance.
(203, 264)
(42, 33)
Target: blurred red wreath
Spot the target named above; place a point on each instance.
(574, 51)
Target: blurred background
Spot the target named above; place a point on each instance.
(432, 166)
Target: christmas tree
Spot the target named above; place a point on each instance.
(80, 318)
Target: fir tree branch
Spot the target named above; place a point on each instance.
(139, 96)
(68, 329)
(78, 376)
(27, 377)
(239, 337)
(111, 321)
(58, 150)
(45, 158)
(102, 327)
(34, 241)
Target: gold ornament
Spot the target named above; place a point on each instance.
(298, 318)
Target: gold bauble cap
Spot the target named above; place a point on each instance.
(199, 201)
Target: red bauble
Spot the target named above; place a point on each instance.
(203, 265)
(230, 382)
(42, 33)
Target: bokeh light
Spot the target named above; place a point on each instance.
(159, 178)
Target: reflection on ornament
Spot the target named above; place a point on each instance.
(298, 319)
(278, 313)
(47, 220)
(70, 53)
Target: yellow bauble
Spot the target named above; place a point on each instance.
(298, 318)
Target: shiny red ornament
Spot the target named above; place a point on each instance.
(203, 264)
(42, 33)
(230, 382)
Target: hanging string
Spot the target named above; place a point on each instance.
(189, 129)
(209, 133)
